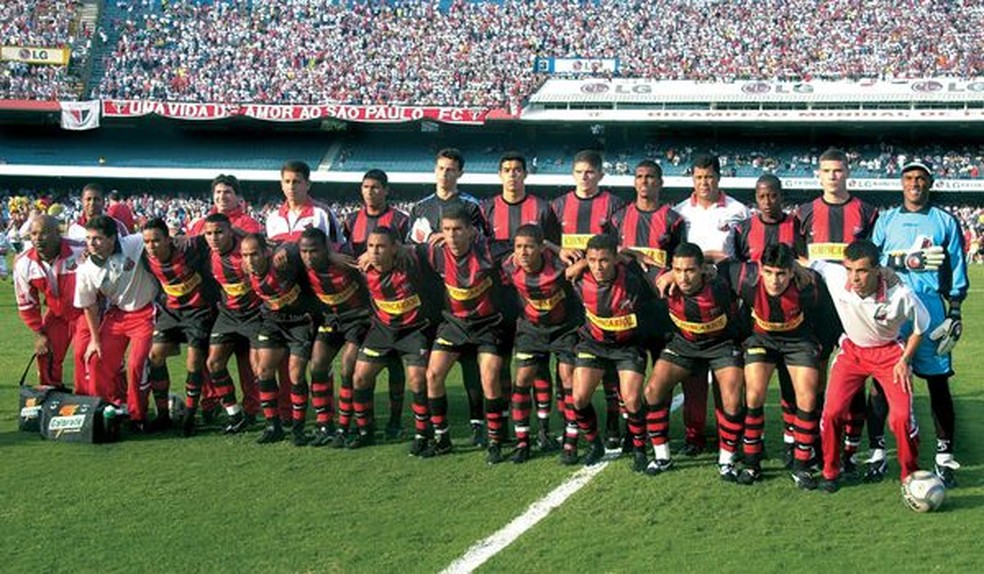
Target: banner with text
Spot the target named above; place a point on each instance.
(598, 66)
(35, 55)
(293, 113)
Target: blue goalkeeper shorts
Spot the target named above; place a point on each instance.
(927, 363)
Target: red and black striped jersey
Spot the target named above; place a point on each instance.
(339, 289)
(183, 278)
(234, 287)
(504, 219)
(705, 317)
(611, 309)
(753, 234)
(654, 233)
(580, 219)
(397, 297)
(827, 228)
(545, 296)
(280, 288)
(360, 224)
(787, 315)
(470, 281)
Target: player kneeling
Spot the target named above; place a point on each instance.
(701, 308)
(548, 326)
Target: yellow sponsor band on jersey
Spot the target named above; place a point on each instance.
(180, 289)
(575, 240)
(778, 327)
(235, 289)
(335, 299)
(398, 306)
(657, 255)
(460, 294)
(826, 251)
(284, 300)
(546, 304)
(700, 328)
(620, 323)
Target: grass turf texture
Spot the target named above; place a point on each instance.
(223, 503)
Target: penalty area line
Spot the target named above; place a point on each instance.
(485, 549)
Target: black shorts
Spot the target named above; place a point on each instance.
(801, 352)
(350, 327)
(696, 357)
(293, 332)
(457, 336)
(233, 326)
(191, 326)
(593, 355)
(534, 345)
(381, 343)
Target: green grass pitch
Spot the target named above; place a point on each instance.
(217, 503)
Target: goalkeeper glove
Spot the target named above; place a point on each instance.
(922, 256)
(948, 332)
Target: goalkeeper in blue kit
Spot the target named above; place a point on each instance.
(924, 244)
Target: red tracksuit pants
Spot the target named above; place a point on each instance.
(61, 333)
(851, 368)
(119, 330)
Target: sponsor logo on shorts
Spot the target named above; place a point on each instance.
(262, 338)
(756, 351)
(443, 341)
(371, 352)
(524, 356)
(586, 356)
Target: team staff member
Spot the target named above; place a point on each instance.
(471, 322)
(400, 326)
(114, 271)
(782, 315)
(703, 310)
(227, 199)
(548, 323)
(613, 294)
(238, 319)
(343, 304)
(287, 331)
(186, 316)
(49, 268)
(873, 314)
(925, 245)
(710, 217)
(299, 210)
(376, 212)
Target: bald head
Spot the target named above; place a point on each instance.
(45, 232)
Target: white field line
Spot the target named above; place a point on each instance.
(484, 549)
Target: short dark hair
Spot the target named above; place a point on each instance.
(296, 166)
(114, 195)
(218, 218)
(603, 242)
(532, 231)
(863, 249)
(452, 153)
(777, 255)
(689, 250)
(158, 224)
(387, 231)
(316, 234)
(770, 180)
(707, 161)
(834, 154)
(590, 157)
(377, 175)
(103, 224)
(512, 156)
(457, 213)
(651, 165)
(257, 237)
(94, 187)
(229, 180)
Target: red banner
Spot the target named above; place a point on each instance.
(294, 113)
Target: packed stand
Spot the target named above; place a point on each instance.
(43, 24)
(482, 53)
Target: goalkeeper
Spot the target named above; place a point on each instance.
(924, 244)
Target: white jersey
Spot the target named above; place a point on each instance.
(875, 320)
(712, 228)
(122, 279)
(287, 225)
(76, 231)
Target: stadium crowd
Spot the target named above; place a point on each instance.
(482, 53)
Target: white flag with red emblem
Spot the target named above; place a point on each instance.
(80, 115)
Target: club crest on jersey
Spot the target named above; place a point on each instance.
(881, 313)
(128, 266)
(71, 264)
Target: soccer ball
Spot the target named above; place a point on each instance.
(923, 491)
